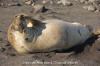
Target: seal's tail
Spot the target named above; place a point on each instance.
(97, 32)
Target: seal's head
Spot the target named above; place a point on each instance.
(22, 21)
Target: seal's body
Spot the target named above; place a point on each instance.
(28, 35)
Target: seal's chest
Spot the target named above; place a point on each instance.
(19, 38)
(19, 42)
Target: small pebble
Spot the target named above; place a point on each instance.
(2, 49)
(33, 4)
(14, 4)
(59, 2)
(86, 2)
(44, 9)
(85, 7)
(96, 3)
(39, 8)
(45, 1)
(91, 8)
(65, 2)
(82, 1)
(69, 4)
(28, 2)
(92, 0)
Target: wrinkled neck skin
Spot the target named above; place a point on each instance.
(32, 33)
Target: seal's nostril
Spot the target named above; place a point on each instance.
(21, 16)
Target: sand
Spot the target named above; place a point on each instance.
(87, 54)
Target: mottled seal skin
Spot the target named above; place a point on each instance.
(28, 35)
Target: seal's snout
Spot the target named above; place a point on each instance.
(21, 16)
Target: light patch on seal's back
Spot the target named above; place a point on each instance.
(29, 24)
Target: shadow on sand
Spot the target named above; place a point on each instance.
(80, 48)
